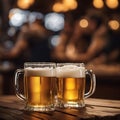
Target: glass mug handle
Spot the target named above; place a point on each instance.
(17, 73)
(92, 82)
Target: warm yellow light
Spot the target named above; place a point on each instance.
(65, 6)
(114, 24)
(83, 23)
(71, 4)
(98, 3)
(25, 4)
(112, 3)
(57, 7)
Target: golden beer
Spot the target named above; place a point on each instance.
(71, 89)
(39, 91)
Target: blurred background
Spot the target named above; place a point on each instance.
(62, 31)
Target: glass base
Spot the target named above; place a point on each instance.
(40, 108)
(73, 105)
(70, 104)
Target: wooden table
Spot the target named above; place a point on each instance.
(11, 108)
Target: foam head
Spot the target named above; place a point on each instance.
(46, 72)
(70, 71)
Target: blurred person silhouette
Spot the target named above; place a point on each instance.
(82, 44)
(88, 42)
(31, 44)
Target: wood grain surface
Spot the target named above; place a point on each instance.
(11, 108)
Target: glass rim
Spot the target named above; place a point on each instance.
(39, 63)
(70, 63)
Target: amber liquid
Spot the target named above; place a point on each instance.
(71, 89)
(39, 91)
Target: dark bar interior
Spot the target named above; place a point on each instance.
(86, 31)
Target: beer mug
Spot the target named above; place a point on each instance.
(71, 79)
(39, 86)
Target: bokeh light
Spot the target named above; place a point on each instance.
(17, 17)
(114, 24)
(98, 3)
(112, 3)
(55, 40)
(25, 4)
(11, 31)
(70, 4)
(35, 15)
(65, 5)
(83, 23)
(54, 21)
